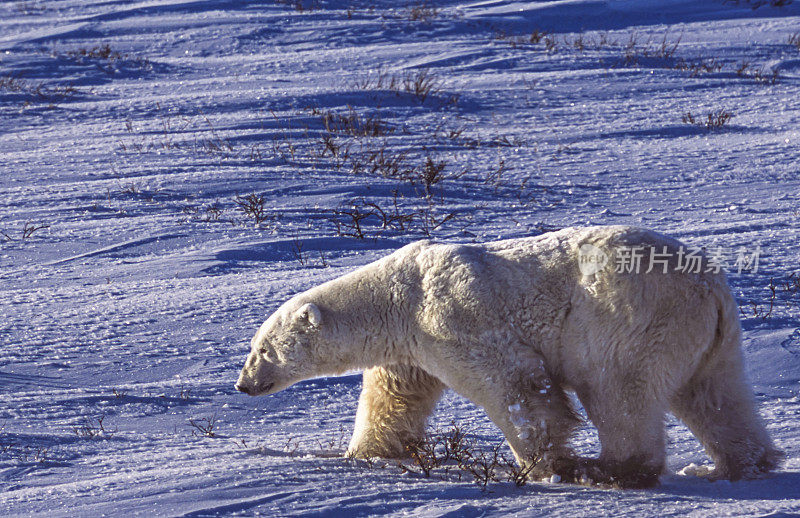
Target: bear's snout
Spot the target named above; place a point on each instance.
(253, 391)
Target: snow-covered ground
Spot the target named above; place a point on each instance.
(133, 133)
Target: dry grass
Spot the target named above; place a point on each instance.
(423, 12)
(252, 206)
(420, 83)
(354, 124)
(634, 51)
(40, 90)
(537, 36)
(91, 428)
(701, 66)
(25, 454)
(304, 257)
(792, 283)
(755, 4)
(349, 221)
(761, 75)
(453, 455)
(300, 5)
(761, 311)
(204, 427)
(794, 40)
(362, 218)
(171, 133)
(784, 292)
(27, 232)
(713, 120)
(29, 7)
(361, 143)
(382, 161)
(106, 53)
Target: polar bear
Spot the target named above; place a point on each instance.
(513, 326)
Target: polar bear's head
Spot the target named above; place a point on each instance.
(282, 351)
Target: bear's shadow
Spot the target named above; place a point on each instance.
(777, 486)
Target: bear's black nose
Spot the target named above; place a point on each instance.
(242, 388)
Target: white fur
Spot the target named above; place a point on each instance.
(513, 324)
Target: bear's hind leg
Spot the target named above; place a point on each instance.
(719, 408)
(395, 403)
(630, 424)
(542, 421)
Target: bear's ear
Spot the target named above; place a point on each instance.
(309, 314)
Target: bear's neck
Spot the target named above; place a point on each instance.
(373, 309)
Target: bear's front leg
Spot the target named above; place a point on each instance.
(393, 410)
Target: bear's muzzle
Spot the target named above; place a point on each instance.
(241, 387)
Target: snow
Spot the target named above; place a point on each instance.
(136, 302)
